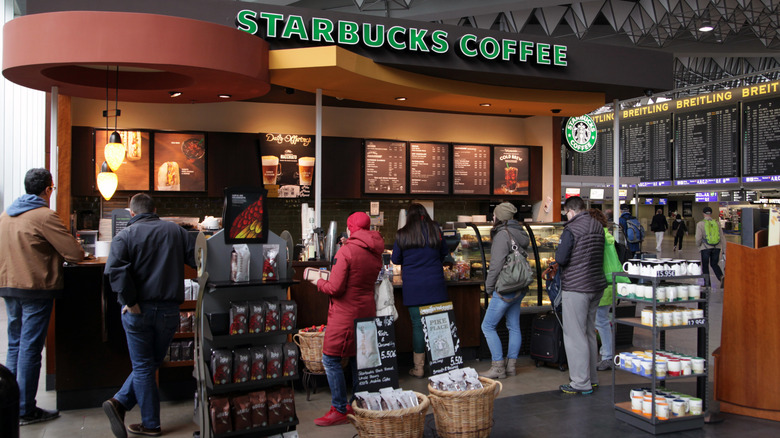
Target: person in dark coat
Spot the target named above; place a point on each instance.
(351, 291)
(659, 227)
(625, 215)
(580, 255)
(680, 230)
(420, 249)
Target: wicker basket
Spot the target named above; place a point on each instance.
(310, 344)
(408, 422)
(465, 414)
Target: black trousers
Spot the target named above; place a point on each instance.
(711, 257)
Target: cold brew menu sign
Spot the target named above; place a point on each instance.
(385, 167)
(429, 168)
(510, 171)
(471, 170)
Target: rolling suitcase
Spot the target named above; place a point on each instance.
(547, 341)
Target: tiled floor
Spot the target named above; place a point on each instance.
(541, 405)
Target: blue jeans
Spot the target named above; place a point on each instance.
(28, 322)
(149, 335)
(497, 309)
(605, 331)
(337, 382)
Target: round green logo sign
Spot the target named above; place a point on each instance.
(581, 133)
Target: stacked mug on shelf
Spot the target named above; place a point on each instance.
(670, 316)
(667, 363)
(665, 293)
(667, 403)
(662, 267)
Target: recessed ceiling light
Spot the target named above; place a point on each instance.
(225, 96)
(706, 28)
(400, 98)
(484, 104)
(175, 93)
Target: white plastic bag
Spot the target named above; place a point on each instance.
(385, 302)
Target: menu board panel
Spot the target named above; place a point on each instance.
(510, 170)
(179, 162)
(133, 174)
(599, 160)
(471, 170)
(761, 145)
(646, 151)
(288, 163)
(385, 167)
(429, 168)
(706, 144)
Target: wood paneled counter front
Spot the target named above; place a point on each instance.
(313, 308)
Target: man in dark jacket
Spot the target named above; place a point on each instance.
(33, 245)
(659, 227)
(625, 216)
(580, 255)
(146, 269)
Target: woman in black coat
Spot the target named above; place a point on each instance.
(680, 230)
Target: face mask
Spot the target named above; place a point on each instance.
(678, 220)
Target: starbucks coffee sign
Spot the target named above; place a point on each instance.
(581, 133)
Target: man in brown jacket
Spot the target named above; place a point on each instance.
(33, 244)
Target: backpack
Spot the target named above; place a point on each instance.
(711, 232)
(635, 232)
(552, 279)
(516, 274)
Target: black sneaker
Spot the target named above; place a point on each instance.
(567, 389)
(604, 365)
(116, 417)
(139, 429)
(37, 416)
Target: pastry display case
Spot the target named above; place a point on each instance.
(545, 237)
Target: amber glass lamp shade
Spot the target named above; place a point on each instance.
(114, 151)
(107, 182)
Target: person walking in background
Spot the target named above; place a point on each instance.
(505, 230)
(710, 240)
(680, 230)
(145, 268)
(659, 227)
(625, 216)
(420, 250)
(33, 244)
(611, 264)
(351, 292)
(580, 255)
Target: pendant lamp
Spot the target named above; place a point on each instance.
(114, 151)
(107, 181)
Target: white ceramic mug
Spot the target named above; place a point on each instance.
(662, 411)
(647, 408)
(686, 366)
(694, 267)
(671, 293)
(636, 404)
(674, 368)
(695, 406)
(632, 266)
(697, 364)
(678, 407)
(660, 370)
(694, 292)
(682, 292)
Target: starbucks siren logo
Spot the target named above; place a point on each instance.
(581, 133)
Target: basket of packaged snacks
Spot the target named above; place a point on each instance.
(463, 403)
(309, 340)
(389, 414)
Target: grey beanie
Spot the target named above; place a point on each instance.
(505, 211)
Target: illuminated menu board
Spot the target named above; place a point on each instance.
(385, 167)
(646, 152)
(429, 168)
(471, 170)
(179, 162)
(510, 171)
(599, 160)
(761, 145)
(706, 145)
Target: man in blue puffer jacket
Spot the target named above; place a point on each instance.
(581, 258)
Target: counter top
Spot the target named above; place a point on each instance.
(100, 261)
(397, 283)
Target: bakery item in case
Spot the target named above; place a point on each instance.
(168, 177)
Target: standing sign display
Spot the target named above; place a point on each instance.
(441, 337)
(287, 162)
(377, 366)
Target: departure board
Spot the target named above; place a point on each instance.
(429, 168)
(385, 167)
(646, 151)
(761, 144)
(706, 144)
(599, 160)
(471, 170)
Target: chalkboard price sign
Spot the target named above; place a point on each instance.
(377, 366)
(441, 337)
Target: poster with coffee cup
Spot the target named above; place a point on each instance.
(287, 164)
(510, 170)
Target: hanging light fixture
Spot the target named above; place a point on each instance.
(114, 151)
(107, 181)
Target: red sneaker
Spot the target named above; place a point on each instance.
(332, 418)
(350, 411)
